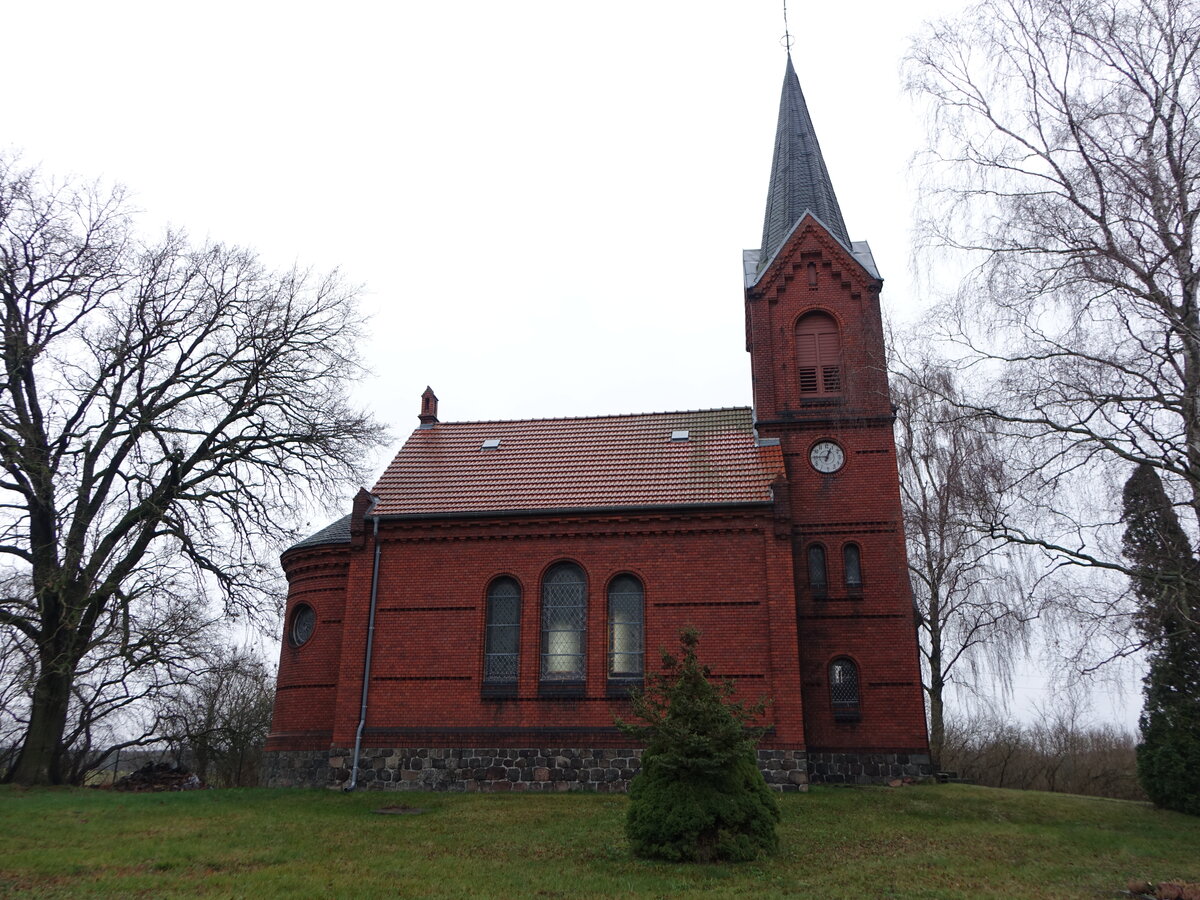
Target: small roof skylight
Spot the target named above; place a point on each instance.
(490, 444)
(679, 435)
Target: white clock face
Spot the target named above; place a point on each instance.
(826, 456)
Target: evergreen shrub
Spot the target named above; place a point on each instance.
(700, 796)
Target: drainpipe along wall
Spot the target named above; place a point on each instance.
(366, 684)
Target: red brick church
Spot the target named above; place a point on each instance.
(480, 617)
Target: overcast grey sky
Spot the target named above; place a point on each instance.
(545, 202)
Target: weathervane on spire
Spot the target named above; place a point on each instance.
(787, 38)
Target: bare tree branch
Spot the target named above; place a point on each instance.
(1064, 168)
(164, 408)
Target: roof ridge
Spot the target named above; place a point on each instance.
(669, 412)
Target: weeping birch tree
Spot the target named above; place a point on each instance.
(974, 607)
(1063, 175)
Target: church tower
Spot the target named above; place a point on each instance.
(815, 335)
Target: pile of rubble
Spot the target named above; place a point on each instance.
(159, 777)
(1165, 890)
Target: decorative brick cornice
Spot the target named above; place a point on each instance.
(799, 420)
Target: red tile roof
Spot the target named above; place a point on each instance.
(604, 461)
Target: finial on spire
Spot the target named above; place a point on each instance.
(787, 39)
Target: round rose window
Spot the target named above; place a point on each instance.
(304, 619)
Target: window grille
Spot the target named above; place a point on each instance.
(625, 611)
(564, 623)
(843, 686)
(816, 569)
(502, 643)
(818, 355)
(852, 559)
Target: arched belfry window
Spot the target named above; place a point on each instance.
(843, 689)
(564, 621)
(818, 581)
(503, 638)
(818, 355)
(625, 618)
(852, 566)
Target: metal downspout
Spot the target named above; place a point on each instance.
(362, 715)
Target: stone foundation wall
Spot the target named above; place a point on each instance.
(867, 768)
(558, 769)
(492, 769)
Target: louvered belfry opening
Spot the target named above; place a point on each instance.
(818, 355)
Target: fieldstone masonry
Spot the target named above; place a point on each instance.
(867, 768)
(557, 769)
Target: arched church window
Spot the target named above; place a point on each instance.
(818, 355)
(503, 638)
(843, 689)
(817, 579)
(625, 618)
(564, 623)
(852, 566)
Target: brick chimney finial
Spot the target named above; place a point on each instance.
(429, 403)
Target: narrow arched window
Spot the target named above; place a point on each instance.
(818, 355)
(503, 639)
(625, 611)
(852, 567)
(843, 689)
(564, 621)
(817, 579)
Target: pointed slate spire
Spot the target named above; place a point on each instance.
(799, 179)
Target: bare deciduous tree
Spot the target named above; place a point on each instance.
(164, 411)
(221, 717)
(135, 655)
(1065, 167)
(974, 607)
(1059, 751)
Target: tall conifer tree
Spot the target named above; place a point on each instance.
(1168, 588)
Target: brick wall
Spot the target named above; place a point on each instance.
(307, 685)
(872, 626)
(726, 572)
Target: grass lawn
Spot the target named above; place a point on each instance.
(923, 841)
